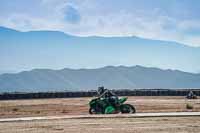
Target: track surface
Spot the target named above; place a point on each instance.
(137, 115)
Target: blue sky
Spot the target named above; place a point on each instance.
(175, 20)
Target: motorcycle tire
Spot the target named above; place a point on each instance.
(127, 108)
(93, 111)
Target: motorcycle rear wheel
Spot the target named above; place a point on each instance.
(94, 111)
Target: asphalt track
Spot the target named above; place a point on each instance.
(136, 115)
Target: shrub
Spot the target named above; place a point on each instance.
(64, 111)
(189, 106)
(37, 112)
(15, 109)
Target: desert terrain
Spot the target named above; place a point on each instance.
(108, 125)
(79, 106)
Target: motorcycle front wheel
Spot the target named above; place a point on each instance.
(127, 108)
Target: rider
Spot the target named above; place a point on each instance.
(107, 94)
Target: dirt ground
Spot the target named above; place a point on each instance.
(73, 106)
(108, 125)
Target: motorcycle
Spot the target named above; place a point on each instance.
(111, 105)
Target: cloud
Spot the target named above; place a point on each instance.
(25, 22)
(71, 14)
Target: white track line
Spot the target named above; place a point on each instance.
(137, 115)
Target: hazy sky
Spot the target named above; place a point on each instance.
(177, 20)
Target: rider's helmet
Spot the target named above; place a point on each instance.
(101, 90)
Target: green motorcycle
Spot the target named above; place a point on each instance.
(110, 106)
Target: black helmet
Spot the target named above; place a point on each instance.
(100, 90)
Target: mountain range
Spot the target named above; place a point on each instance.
(112, 77)
(105, 60)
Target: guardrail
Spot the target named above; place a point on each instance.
(135, 92)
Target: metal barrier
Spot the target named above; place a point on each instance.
(135, 92)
